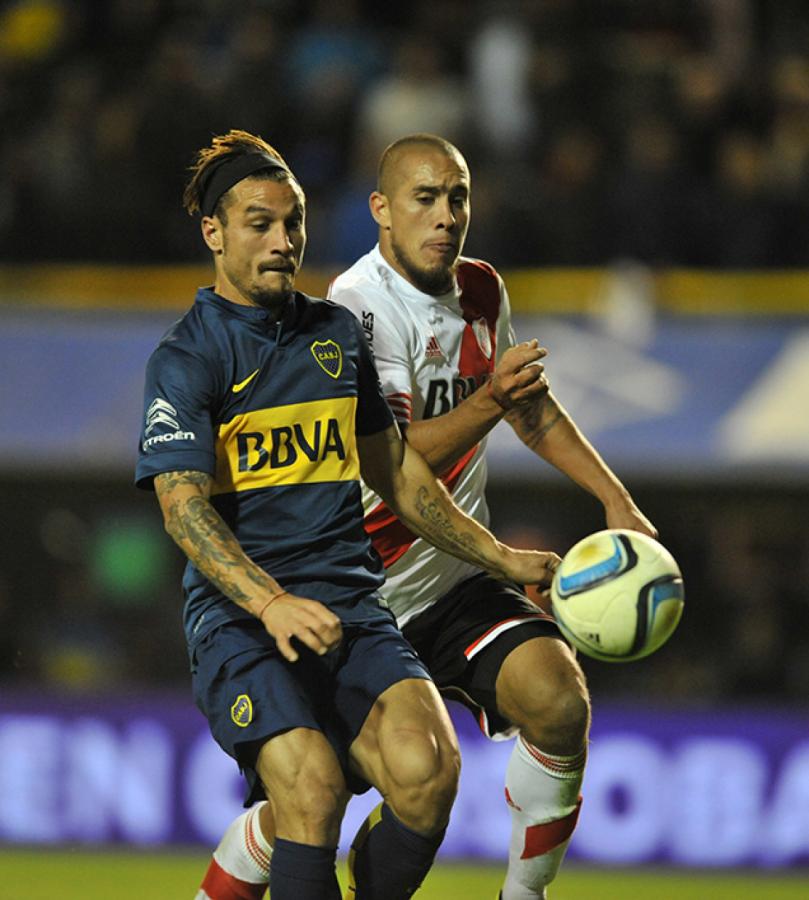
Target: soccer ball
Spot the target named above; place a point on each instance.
(617, 595)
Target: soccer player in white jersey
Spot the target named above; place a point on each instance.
(439, 326)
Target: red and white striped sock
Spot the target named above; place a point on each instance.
(542, 792)
(240, 867)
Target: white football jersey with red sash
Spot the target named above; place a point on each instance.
(431, 353)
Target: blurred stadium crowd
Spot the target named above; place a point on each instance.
(674, 132)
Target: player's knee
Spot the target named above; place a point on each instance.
(423, 781)
(554, 714)
(571, 717)
(311, 810)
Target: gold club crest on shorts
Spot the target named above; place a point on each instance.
(242, 711)
(328, 356)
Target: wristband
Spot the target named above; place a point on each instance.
(494, 397)
(272, 599)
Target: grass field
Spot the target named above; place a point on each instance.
(79, 875)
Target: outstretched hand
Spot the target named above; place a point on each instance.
(313, 624)
(627, 515)
(531, 566)
(519, 376)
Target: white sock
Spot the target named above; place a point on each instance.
(241, 859)
(542, 792)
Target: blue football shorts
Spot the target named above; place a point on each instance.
(466, 636)
(249, 692)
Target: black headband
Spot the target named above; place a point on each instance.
(221, 176)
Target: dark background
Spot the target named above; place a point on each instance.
(673, 134)
(90, 593)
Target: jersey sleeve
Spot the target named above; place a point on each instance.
(389, 345)
(177, 431)
(373, 413)
(504, 335)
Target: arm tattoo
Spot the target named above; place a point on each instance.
(530, 418)
(205, 537)
(439, 530)
(540, 434)
(169, 480)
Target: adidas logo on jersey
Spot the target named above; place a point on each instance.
(433, 351)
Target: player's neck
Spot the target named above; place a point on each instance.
(273, 304)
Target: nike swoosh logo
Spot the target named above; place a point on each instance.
(243, 384)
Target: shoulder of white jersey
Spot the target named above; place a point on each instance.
(360, 276)
(472, 267)
(364, 290)
(481, 286)
(356, 297)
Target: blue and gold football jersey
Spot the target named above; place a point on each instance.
(271, 411)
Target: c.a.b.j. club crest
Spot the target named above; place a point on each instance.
(242, 711)
(328, 356)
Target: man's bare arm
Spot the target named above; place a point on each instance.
(545, 427)
(397, 472)
(206, 540)
(204, 537)
(518, 378)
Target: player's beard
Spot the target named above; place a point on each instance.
(272, 301)
(434, 281)
(271, 298)
(248, 282)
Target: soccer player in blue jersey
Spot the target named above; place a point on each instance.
(439, 325)
(262, 410)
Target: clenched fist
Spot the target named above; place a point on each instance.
(519, 376)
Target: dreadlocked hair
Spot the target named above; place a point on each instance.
(235, 143)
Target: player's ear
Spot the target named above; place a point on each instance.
(212, 233)
(380, 209)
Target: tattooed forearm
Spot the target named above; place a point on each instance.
(209, 543)
(540, 434)
(205, 538)
(440, 530)
(167, 481)
(527, 417)
(534, 421)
